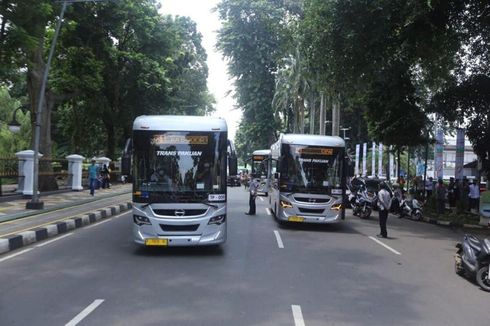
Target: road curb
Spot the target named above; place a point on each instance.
(21, 239)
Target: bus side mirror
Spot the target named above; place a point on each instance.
(126, 159)
(232, 166)
(232, 159)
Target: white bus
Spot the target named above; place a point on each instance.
(261, 169)
(308, 179)
(179, 173)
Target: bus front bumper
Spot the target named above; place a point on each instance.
(334, 218)
(213, 236)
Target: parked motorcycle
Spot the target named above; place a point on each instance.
(362, 204)
(473, 260)
(411, 208)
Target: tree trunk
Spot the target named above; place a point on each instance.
(322, 114)
(312, 116)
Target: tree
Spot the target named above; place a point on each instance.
(252, 39)
(468, 103)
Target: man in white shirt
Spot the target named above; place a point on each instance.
(384, 203)
(474, 195)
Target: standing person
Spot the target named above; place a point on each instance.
(105, 173)
(429, 186)
(245, 179)
(441, 193)
(451, 192)
(396, 207)
(464, 195)
(254, 185)
(475, 195)
(92, 177)
(384, 203)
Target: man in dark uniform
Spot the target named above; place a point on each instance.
(254, 185)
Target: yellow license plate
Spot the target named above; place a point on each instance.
(296, 219)
(156, 242)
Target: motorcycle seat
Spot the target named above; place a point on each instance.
(475, 243)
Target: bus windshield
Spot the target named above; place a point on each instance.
(259, 166)
(182, 165)
(310, 169)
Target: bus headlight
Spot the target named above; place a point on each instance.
(286, 204)
(141, 220)
(336, 207)
(220, 219)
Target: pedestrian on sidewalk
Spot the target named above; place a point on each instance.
(384, 203)
(441, 193)
(92, 177)
(105, 173)
(254, 186)
(429, 186)
(475, 195)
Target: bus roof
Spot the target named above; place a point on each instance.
(179, 123)
(312, 140)
(261, 152)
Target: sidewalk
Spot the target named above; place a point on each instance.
(20, 226)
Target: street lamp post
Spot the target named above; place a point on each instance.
(35, 203)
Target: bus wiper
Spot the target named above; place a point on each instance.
(147, 204)
(209, 204)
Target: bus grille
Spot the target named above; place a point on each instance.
(312, 200)
(311, 210)
(179, 228)
(172, 212)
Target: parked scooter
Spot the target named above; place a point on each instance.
(411, 208)
(473, 260)
(362, 204)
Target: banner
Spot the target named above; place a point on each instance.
(364, 158)
(438, 155)
(380, 160)
(391, 167)
(356, 167)
(373, 161)
(458, 171)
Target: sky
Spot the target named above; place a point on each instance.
(219, 83)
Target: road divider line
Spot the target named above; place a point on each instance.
(78, 318)
(278, 238)
(261, 198)
(14, 255)
(55, 239)
(297, 315)
(268, 210)
(384, 245)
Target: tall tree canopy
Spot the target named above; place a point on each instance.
(252, 38)
(114, 60)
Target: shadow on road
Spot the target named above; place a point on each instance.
(212, 251)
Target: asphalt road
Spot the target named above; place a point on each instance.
(264, 275)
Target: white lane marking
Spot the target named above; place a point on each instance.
(298, 316)
(78, 318)
(14, 255)
(384, 245)
(268, 210)
(278, 238)
(98, 223)
(262, 199)
(56, 239)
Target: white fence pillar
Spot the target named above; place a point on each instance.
(26, 171)
(75, 163)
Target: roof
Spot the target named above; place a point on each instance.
(179, 123)
(312, 140)
(262, 152)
